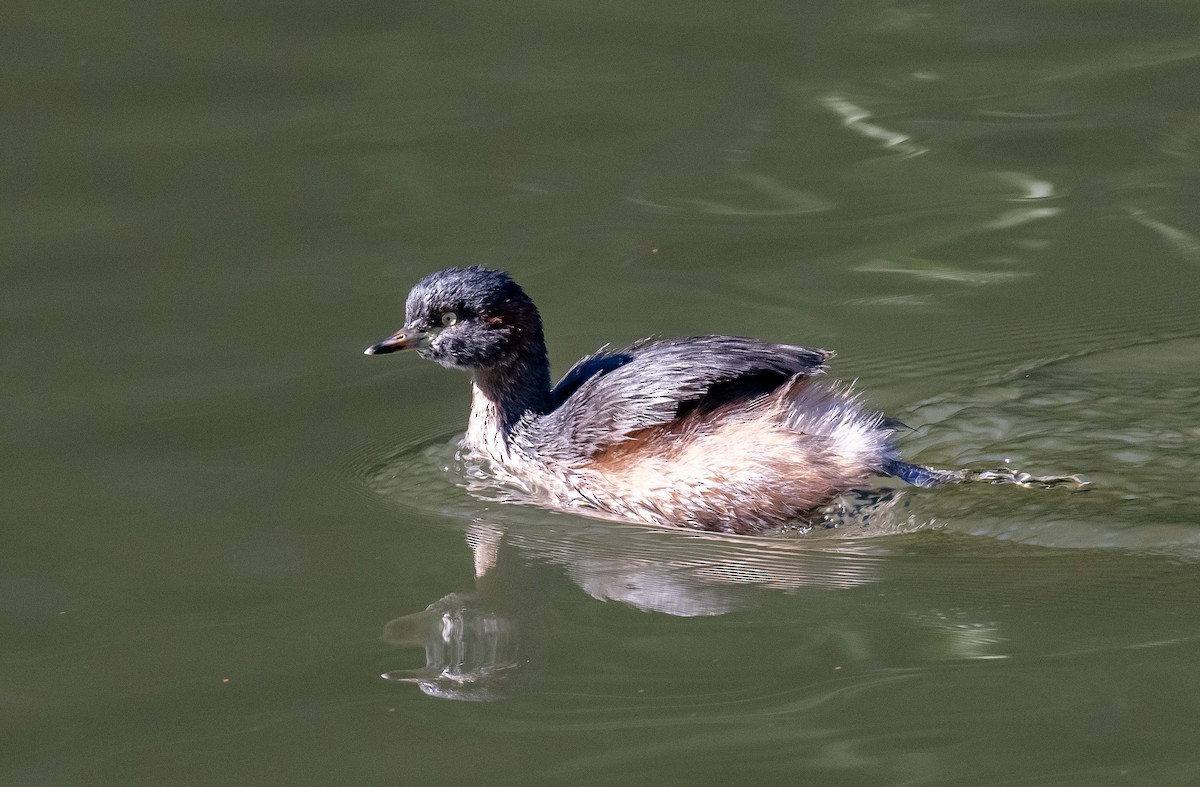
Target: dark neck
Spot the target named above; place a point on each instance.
(520, 385)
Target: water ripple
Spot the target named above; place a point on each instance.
(855, 118)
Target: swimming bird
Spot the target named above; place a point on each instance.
(718, 433)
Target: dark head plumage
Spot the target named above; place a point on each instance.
(468, 318)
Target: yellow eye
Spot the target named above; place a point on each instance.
(449, 318)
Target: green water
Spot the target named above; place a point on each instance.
(222, 523)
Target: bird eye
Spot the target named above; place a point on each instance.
(449, 318)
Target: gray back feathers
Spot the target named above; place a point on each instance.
(609, 395)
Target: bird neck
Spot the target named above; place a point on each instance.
(502, 395)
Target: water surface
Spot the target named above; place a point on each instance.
(224, 524)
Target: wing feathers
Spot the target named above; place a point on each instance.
(608, 395)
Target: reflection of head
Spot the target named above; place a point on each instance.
(469, 650)
(482, 645)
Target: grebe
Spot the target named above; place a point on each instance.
(707, 432)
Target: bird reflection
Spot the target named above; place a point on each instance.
(480, 645)
(690, 574)
(491, 642)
